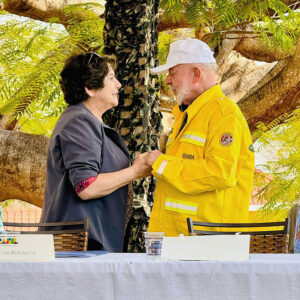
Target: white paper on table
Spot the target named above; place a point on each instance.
(209, 247)
(26, 247)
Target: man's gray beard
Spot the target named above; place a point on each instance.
(179, 99)
(181, 93)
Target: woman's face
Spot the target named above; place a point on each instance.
(108, 95)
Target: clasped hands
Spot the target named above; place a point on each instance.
(142, 165)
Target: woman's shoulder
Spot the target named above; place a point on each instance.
(78, 118)
(77, 109)
(77, 113)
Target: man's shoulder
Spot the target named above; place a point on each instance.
(227, 106)
(219, 106)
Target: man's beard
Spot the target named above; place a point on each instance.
(182, 92)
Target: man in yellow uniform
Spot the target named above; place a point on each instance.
(207, 171)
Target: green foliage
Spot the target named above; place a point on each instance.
(173, 8)
(164, 41)
(281, 32)
(283, 190)
(24, 44)
(274, 22)
(84, 26)
(4, 203)
(32, 56)
(33, 53)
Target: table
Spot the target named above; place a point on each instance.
(99, 275)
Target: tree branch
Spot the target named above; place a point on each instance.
(257, 50)
(43, 10)
(251, 47)
(168, 24)
(279, 95)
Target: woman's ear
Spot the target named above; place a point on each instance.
(90, 93)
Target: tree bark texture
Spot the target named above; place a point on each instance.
(131, 35)
(22, 166)
(281, 94)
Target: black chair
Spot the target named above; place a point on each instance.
(261, 241)
(68, 236)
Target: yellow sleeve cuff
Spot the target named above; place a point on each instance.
(157, 164)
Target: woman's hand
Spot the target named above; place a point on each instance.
(106, 183)
(141, 167)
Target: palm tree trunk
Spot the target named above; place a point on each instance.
(130, 34)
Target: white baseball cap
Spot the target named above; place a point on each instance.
(186, 52)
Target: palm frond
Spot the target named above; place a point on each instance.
(283, 190)
(33, 71)
(173, 8)
(275, 23)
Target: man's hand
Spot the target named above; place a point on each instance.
(141, 166)
(153, 155)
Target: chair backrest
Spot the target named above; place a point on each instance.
(68, 236)
(261, 241)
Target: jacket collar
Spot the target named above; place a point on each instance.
(212, 93)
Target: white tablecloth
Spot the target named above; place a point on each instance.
(134, 276)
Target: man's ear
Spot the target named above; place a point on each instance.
(90, 93)
(196, 74)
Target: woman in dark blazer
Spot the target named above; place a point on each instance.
(88, 165)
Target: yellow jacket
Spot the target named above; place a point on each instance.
(207, 171)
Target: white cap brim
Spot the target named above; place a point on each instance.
(163, 68)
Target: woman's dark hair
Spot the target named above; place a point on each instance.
(83, 70)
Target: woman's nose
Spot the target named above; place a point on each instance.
(118, 84)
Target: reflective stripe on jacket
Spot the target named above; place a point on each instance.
(207, 171)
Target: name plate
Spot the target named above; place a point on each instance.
(209, 247)
(26, 247)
